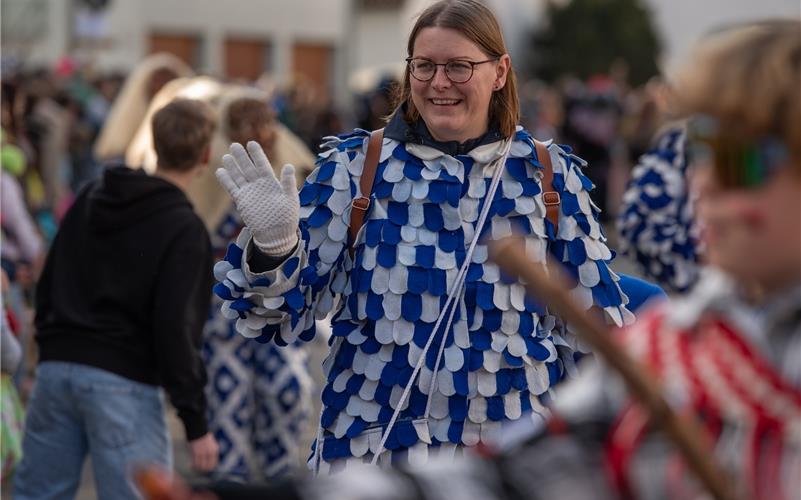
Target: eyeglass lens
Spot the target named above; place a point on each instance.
(456, 71)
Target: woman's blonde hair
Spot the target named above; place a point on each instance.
(478, 24)
(749, 79)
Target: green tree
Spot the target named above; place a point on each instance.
(586, 37)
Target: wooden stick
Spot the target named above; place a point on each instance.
(685, 432)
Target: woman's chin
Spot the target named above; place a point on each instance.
(446, 129)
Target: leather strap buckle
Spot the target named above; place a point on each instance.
(361, 204)
(551, 198)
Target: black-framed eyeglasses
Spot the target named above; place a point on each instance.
(457, 70)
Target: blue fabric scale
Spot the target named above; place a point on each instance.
(404, 263)
(425, 256)
(382, 190)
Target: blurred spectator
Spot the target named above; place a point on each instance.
(592, 129)
(10, 350)
(657, 220)
(87, 99)
(140, 151)
(327, 122)
(377, 105)
(11, 412)
(23, 248)
(542, 109)
(259, 395)
(114, 323)
(129, 109)
(48, 126)
(307, 111)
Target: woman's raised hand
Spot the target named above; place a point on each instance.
(269, 208)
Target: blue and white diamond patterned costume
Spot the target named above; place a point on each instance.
(501, 353)
(259, 394)
(656, 217)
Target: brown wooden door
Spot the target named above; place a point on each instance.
(245, 58)
(185, 47)
(314, 62)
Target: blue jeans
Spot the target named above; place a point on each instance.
(77, 410)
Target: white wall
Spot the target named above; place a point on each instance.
(127, 36)
(379, 37)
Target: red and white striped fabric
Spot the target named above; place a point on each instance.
(752, 414)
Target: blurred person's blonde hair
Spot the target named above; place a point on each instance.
(182, 132)
(748, 78)
(477, 23)
(140, 152)
(210, 200)
(130, 107)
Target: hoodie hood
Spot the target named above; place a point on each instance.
(125, 197)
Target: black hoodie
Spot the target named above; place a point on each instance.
(127, 286)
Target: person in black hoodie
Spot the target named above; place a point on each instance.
(119, 314)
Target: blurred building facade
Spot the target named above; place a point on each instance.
(325, 41)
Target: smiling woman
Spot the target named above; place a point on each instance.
(433, 348)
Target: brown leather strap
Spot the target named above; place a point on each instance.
(549, 196)
(362, 203)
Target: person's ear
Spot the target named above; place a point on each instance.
(502, 71)
(206, 156)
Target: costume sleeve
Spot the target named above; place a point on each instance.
(580, 245)
(281, 304)
(181, 305)
(655, 221)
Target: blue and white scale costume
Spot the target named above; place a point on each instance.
(502, 352)
(656, 217)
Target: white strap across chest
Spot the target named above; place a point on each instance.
(451, 303)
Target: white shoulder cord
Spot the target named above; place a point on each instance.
(439, 355)
(456, 290)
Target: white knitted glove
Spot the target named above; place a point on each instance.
(268, 208)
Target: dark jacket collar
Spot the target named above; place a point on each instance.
(417, 133)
